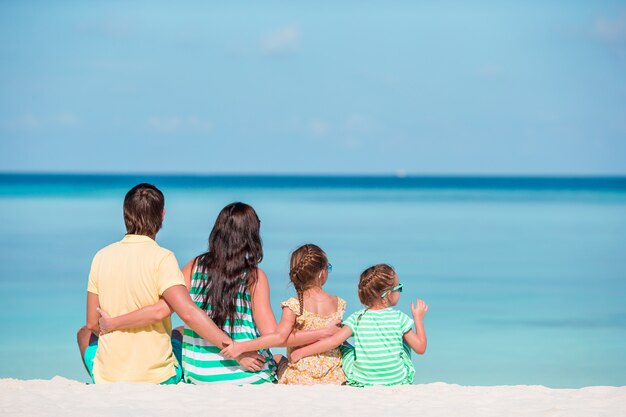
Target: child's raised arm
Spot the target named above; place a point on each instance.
(323, 345)
(417, 339)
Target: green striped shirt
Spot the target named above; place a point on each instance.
(380, 356)
(202, 363)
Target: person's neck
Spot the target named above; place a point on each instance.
(313, 291)
(378, 306)
(153, 237)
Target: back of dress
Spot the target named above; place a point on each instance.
(202, 362)
(323, 368)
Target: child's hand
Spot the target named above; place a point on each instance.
(104, 321)
(231, 351)
(419, 309)
(332, 329)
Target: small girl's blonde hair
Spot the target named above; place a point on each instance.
(374, 281)
(307, 262)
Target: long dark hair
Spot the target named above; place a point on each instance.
(230, 264)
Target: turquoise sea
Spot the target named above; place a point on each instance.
(525, 277)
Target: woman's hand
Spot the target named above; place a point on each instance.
(104, 321)
(232, 350)
(419, 309)
(295, 356)
(251, 361)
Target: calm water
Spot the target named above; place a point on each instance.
(525, 278)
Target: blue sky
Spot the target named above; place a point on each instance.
(484, 87)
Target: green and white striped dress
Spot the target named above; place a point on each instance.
(379, 356)
(202, 363)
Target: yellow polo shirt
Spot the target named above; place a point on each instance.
(127, 276)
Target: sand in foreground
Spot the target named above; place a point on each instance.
(63, 397)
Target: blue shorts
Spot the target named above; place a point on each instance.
(177, 348)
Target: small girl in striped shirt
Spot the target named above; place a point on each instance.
(382, 334)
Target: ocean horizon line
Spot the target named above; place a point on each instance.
(399, 174)
(452, 181)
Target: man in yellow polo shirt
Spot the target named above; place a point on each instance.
(134, 273)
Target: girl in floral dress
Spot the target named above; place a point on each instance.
(312, 309)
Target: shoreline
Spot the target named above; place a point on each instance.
(72, 399)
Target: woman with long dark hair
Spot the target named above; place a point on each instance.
(227, 283)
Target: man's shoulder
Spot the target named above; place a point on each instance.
(162, 251)
(107, 249)
(148, 245)
(150, 252)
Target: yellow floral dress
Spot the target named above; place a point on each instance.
(323, 368)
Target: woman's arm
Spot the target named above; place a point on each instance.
(323, 345)
(187, 272)
(144, 316)
(261, 307)
(139, 318)
(417, 339)
(277, 338)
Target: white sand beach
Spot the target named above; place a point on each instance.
(63, 397)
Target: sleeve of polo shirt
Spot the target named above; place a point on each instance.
(406, 323)
(169, 274)
(92, 282)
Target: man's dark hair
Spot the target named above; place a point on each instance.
(143, 210)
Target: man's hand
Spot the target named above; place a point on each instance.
(104, 321)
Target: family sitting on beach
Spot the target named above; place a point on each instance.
(223, 298)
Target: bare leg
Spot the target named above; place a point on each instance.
(84, 337)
